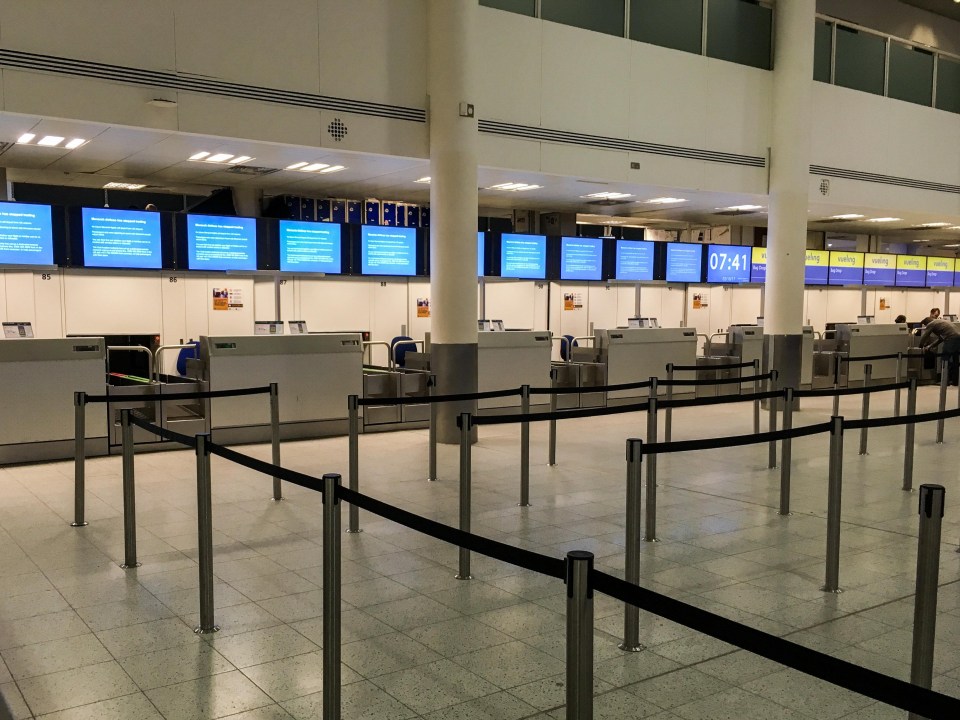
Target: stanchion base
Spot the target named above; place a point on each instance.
(125, 566)
(631, 648)
(354, 532)
(837, 591)
(785, 514)
(200, 631)
(863, 453)
(524, 504)
(910, 490)
(429, 479)
(278, 499)
(651, 540)
(76, 524)
(458, 576)
(551, 464)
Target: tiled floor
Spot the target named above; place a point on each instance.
(82, 639)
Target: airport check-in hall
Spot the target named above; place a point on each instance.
(480, 359)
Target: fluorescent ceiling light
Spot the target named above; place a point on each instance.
(884, 219)
(664, 200)
(848, 216)
(742, 208)
(26, 138)
(75, 143)
(606, 196)
(935, 225)
(332, 169)
(514, 187)
(123, 186)
(50, 140)
(953, 245)
(296, 166)
(423, 180)
(219, 157)
(239, 159)
(954, 227)
(313, 167)
(199, 156)
(920, 240)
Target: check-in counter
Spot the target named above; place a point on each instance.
(635, 354)
(863, 340)
(509, 360)
(747, 344)
(315, 374)
(38, 379)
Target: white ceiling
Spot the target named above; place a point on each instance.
(158, 158)
(947, 8)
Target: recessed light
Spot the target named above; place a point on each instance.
(514, 187)
(313, 167)
(332, 169)
(238, 159)
(953, 245)
(296, 166)
(50, 140)
(423, 180)
(123, 186)
(920, 240)
(848, 216)
(742, 208)
(75, 143)
(935, 225)
(884, 219)
(199, 156)
(664, 200)
(606, 196)
(219, 157)
(26, 138)
(954, 227)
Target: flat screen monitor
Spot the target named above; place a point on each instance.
(131, 239)
(684, 263)
(481, 249)
(523, 256)
(940, 271)
(388, 251)
(816, 269)
(311, 247)
(728, 264)
(911, 271)
(26, 234)
(758, 265)
(846, 268)
(634, 260)
(880, 269)
(581, 258)
(220, 243)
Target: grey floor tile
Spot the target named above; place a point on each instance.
(434, 686)
(128, 707)
(294, 677)
(215, 696)
(174, 665)
(79, 686)
(147, 637)
(384, 654)
(510, 664)
(55, 655)
(498, 706)
(458, 636)
(260, 646)
(359, 701)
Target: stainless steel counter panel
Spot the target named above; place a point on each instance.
(748, 343)
(38, 379)
(634, 354)
(315, 374)
(860, 340)
(508, 360)
(806, 364)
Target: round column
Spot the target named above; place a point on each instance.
(451, 67)
(789, 181)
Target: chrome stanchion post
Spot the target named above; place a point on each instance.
(129, 494)
(275, 436)
(865, 407)
(205, 536)
(524, 448)
(432, 435)
(834, 491)
(353, 409)
(786, 452)
(631, 613)
(79, 457)
(465, 422)
(579, 636)
(911, 429)
(331, 597)
(772, 448)
(650, 521)
(928, 572)
(897, 379)
(756, 403)
(944, 379)
(668, 418)
(836, 384)
(552, 445)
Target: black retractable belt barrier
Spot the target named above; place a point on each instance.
(598, 389)
(864, 358)
(733, 441)
(137, 419)
(362, 402)
(201, 395)
(830, 392)
(719, 381)
(729, 366)
(559, 415)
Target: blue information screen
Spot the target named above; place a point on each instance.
(523, 256)
(121, 239)
(684, 263)
(911, 271)
(581, 258)
(480, 247)
(846, 268)
(221, 243)
(880, 269)
(816, 270)
(310, 247)
(388, 251)
(728, 264)
(634, 260)
(940, 272)
(758, 265)
(26, 234)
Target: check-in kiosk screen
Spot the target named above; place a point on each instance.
(728, 264)
(523, 256)
(880, 269)
(310, 247)
(26, 234)
(758, 265)
(846, 268)
(121, 239)
(388, 251)
(940, 272)
(911, 271)
(634, 260)
(684, 263)
(581, 258)
(816, 270)
(221, 243)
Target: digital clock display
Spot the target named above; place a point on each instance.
(728, 264)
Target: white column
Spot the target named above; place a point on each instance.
(451, 35)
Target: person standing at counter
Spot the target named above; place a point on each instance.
(942, 335)
(900, 319)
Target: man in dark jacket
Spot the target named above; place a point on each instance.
(941, 336)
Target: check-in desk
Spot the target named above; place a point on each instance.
(747, 344)
(509, 360)
(315, 374)
(635, 354)
(860, 340)
(38, 380)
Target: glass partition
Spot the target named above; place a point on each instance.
(860, 60)
(604, 16)
(948, 84)
(740, 31)
(676, 24)
(822, 50)
(911, 74)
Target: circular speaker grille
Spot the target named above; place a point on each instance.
(337, 129)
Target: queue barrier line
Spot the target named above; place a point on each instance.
(430, 399)
(866, 682)
(833, 392)
(864, 358)
(140, 421)
(733, 440)
(718, 381)
(729, 366)
(595, 389)
(721, 399)
(202, 395)
(291, 476)
(892, 421)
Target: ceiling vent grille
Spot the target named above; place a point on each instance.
(251, 170)
(4, 146)
(610, 203)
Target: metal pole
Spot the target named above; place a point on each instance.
(865, 407)
(353, 426)
(911, 429)
(205, 537)
(524, 448)
(466, 423)
(668, 419)
(928, 571)
(650, 521)
(897, 380)
(786, 450)
(552, 445)
(631, 613)
(432, 435)
(579, 636)
(834, 489)
(79, 456)
(836, 385)
(756, 403)
(129, 494)
(944, 379)
(772, 402)
(331, 597)
(275, 436)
